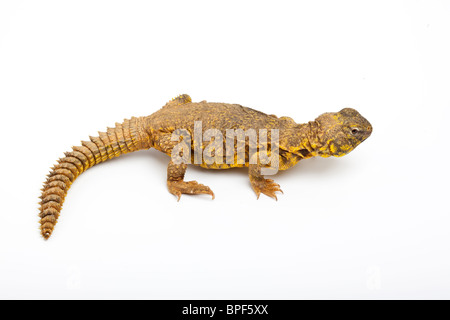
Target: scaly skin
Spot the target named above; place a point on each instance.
(331, 134)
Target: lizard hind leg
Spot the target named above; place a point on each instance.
(177, 186)
(182, 99)
(179, 100)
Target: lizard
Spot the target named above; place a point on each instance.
(330, 134)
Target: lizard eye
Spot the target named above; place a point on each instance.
(355, 131)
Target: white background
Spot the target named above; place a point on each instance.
(371, 225)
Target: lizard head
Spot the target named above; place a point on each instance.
(341, 132)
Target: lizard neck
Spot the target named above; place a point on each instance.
(302, 140)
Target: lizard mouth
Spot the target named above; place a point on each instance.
(353, 144)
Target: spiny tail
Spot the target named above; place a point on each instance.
(126, 137)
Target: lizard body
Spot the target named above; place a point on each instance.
(331, 134)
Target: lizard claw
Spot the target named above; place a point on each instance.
(266, 186)
(178, 188)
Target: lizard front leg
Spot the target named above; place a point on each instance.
(176, 184)
(260, 184)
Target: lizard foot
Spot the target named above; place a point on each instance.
(178, 188)
(266, 186)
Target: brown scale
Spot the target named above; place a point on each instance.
(331, 134)
(63, 174)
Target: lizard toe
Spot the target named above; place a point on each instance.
(188, 187)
